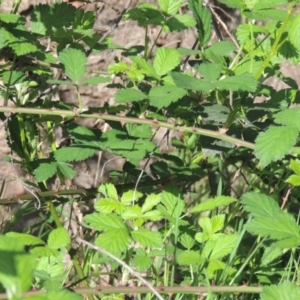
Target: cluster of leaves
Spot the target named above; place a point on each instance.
(220, 240)
(42, 265)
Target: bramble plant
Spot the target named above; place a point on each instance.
(216, 217)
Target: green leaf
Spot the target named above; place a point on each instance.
(2, 38)
(21, 47)
(42, 251)
(294, 32)
(234, 3)
(45, 17)
(58, 238)
(74, 61)
(180, 22)
(170, 7)
(95, 80)
(163, 96)
(217, 222)
(105, 222)
(189, 257)
(210, 71)
(147, 238)
(270, 254)
(11, 18)
(75, 153)
(66, 169)
(45, 170)
(119, 67)
(186, 240)
(17, 266)
(114, 241)
(153, 215)
(62, 14)
(265, 14)
(145, 66)
(295, 166)
(269, 219)
(132, 213)
(111, 191)
(129, 95)
(142, 262)
(262, 4)
(13, 77)
(282, 291)
(244, 32)
(213, 203)
(26, 239)
(216, 249)
(187, 51)
(53, 266)
(289, 117)
(275, 143)
(260, 205)
(151, 201)
(107, 205)
(205, 224)
(170, 199)
(190, 83)
(82, 134)
(215, 265)
(223, 48)
(145, 14)
(203, 19)
(130, 196)
(293, 180)
(165, 60)
(139, 131)
(242, 82)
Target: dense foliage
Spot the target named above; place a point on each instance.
(219, 212)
